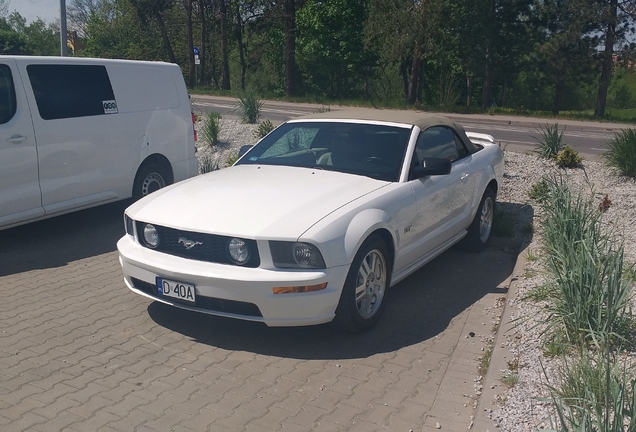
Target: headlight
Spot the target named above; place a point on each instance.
(151, 236)
(238, 250)
(296, 255)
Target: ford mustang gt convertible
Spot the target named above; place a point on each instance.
(317, 221)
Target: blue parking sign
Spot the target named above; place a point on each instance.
(196, 50)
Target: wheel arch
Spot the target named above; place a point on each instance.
(364, 225)
(158, 159)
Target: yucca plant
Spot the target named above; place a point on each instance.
(211, 128)
(207, 164)
(621, 153)
(551, 140)
(249, 108)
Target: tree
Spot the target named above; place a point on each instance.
(4, 8)
(403, 29)
(39, 37)
(616, 22)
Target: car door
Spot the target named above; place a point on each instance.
(444, 201)
(20, 195)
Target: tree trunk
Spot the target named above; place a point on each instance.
(192, 75)
(290, 47)
(164, 35)
(487, 90)
(559, 91)
(405, 77)
(415, 75)
(469, 89)
(225, 63)
(608, 60)
(241, 46)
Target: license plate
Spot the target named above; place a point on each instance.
(175, 289)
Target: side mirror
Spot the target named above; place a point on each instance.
(244, 149)
(431, 166)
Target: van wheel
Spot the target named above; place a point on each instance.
(150, 178)
(362, 299)
(480, 230)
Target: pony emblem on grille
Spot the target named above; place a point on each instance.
(188, 244)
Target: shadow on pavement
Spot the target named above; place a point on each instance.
(57, 241)
(418, 309)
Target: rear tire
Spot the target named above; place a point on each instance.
(150, 178)
(362, 298)
(480, 230)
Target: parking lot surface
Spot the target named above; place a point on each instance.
(79, 352)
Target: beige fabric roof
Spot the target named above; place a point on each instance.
(420, 119)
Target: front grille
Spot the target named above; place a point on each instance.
(205, 303)
(208, 247)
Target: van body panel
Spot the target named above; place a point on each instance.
(93, 123)
(20, 195)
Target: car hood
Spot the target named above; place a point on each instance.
(253, 201)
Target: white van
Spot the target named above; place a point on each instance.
(76, 133)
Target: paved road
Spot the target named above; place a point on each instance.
(79, 352)
(515, 133)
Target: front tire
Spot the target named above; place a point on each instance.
(150, 178)
(480, 230)
(362, 298)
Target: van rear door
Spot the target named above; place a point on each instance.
(20, 195)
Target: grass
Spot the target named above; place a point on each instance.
(621, 153)
(611, 114)
(484, 361)
(211, 128)
(231, 159)
(568, 158)
(539, 190)
(509, 379)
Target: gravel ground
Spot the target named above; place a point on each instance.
(521, 409)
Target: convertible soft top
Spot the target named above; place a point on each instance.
(419, 119)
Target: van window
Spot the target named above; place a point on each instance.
(66, 91)
(7, 95)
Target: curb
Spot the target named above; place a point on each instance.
(492, 386)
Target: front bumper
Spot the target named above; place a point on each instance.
(233, 291)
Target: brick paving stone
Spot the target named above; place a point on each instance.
(133, 419)
(58, 423)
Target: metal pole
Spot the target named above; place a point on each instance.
(63, 35)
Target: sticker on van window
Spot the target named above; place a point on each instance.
(110, 107)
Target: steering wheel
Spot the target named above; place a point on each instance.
(376, 160)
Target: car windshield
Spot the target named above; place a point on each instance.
(371, 150)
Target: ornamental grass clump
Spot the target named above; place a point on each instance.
(550, 142)
(594, 394)
(591, 300)
(621, 153)
(249, 108)
(211, 128)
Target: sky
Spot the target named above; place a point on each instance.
(48, 10)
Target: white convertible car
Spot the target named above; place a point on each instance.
(315, 222)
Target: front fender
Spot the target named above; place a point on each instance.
(361, 227)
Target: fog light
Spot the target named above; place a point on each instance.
(238, 250)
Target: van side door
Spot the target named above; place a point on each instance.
(20, 197)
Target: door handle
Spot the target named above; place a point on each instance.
(16, 139)
(464, 176)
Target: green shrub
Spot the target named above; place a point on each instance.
(621, 153)
(568, 158)
(264, 128)
(551, 140)
(211, 128)
(593, 394)
(539, 190)
(231, 159)
(249, 108)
